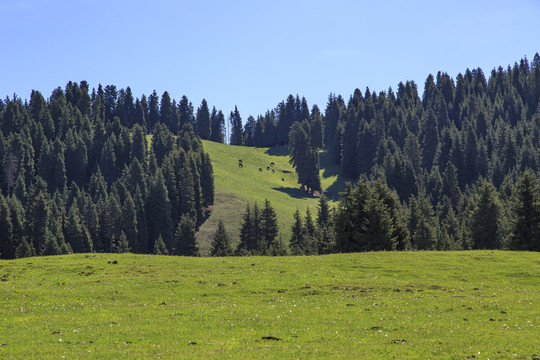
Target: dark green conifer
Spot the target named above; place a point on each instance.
(204, 126)
(526, 211)
(220, 243)
(184, 238)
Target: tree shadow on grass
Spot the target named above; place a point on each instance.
(329, 169)
(294, 192)
(278, 151)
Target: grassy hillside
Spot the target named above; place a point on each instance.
(235, 187)
(403, 305)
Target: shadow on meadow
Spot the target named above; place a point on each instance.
(294, 192)
(277, 151)
(329, 169)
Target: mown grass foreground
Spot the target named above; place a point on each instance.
(425, 305)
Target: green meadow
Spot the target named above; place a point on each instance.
(236, 186)
(381, 305)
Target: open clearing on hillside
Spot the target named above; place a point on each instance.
(447, 305)
(235, 186)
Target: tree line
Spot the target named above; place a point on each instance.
(77, 173)
(456, 157)
(370, 217)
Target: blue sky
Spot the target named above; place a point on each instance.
(254, 53)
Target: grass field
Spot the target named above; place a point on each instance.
(391, 305)
(235, 187)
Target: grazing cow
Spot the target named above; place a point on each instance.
(272, 164)
(273, 171)
(268, 168)
(282, 179)
(240, 165)
(260, 169)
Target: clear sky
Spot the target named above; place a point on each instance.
(254, 53)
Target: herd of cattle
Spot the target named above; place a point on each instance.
(268, 168)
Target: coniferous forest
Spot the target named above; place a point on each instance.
(453, 168)
(78, 174)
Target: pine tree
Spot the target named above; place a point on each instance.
(450, 187)
(323, 212)
(430, 139)
(18, 221)
(76, 232)
(167, 113)
(269, 227)
(7, 246)
(256, 231)
(485, 222)
(162, 142)
(221, 244)
(130, 222)
(207, 180)
(311, 235)
(236, 127)
(349, 144)
(108, 163)
(185, 113)
(139, 145)
(184, 238)
(158, 210)
(317, 131)
(25, 249)
(379, 229)
(153, 111)
(526, 210)
(159, 247)
(421, 223)
(303, 157)
(121, 244)
(246, 245)
(218, 126)
(297, 242)
(109, 217)
(204, 126)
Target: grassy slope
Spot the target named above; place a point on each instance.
(438, 305)
(235, 187)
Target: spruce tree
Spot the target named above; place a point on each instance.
(121, 244)
(298, 241)
(317, 131)
(76, 232)
(7, 246)
(204, 126)
(139, 145)
(220, 243)
(159, 247)
(25, 249)
(184, 238)
(130, 222)
(421, 223)
(207, 180)
(153, 111)
(269, 227)
(158, 210)
(218, 125)
(323, 212)
(236, 127)
(526, 210)
(246, 244)
(485, 222)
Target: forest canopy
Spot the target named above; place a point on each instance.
(454, 168)
(78, 174)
